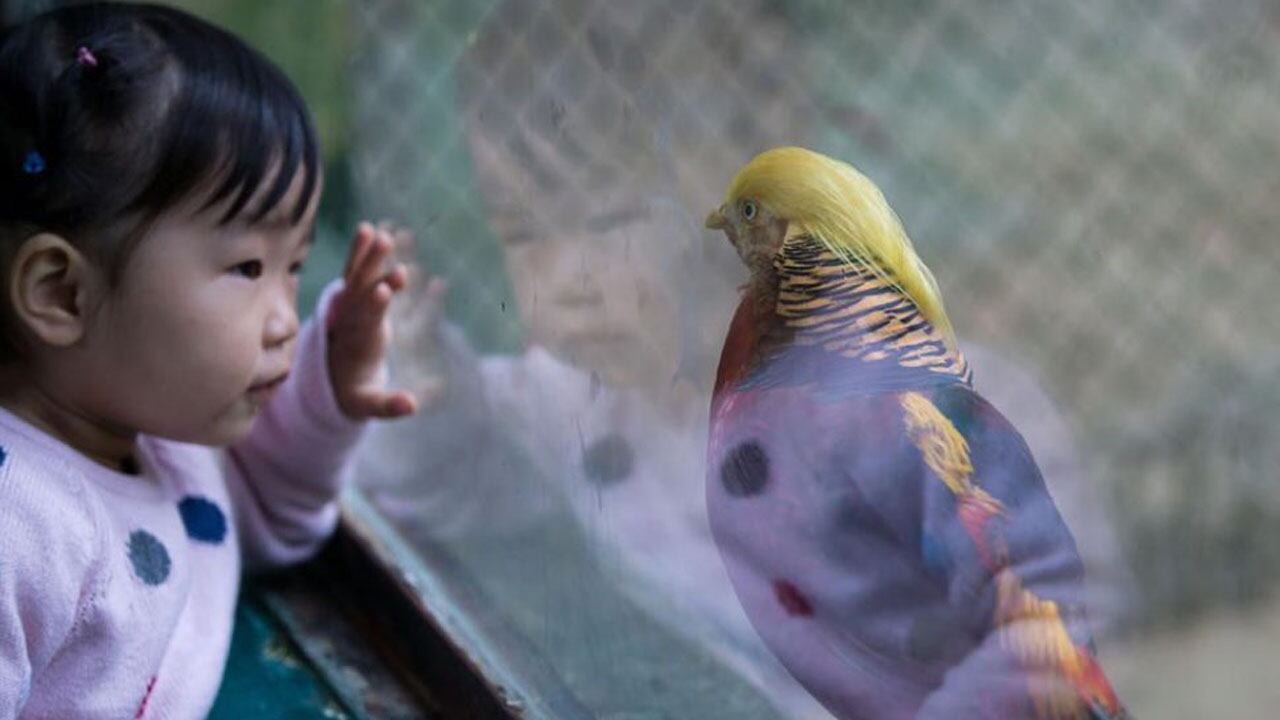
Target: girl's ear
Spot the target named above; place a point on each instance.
(50, 284)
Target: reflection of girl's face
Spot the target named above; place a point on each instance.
(588, 271)
(591, 291)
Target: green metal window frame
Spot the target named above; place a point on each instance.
(397, 632)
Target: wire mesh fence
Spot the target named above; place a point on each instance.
(1092, 183)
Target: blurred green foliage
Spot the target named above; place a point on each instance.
(310, 39)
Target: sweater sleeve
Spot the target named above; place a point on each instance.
(284, 477)
(461, 466)
(49, 573)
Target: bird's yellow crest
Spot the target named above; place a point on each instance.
(841, 208)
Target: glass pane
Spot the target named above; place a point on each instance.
(1091, 183)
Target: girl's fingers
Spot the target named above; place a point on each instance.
(397, 277)
(359, 319)
(371, 302)
(374, 309)
(369, 270)
(360, 316)
(397, 404)
(379, 404)
(373, 245)
(359, 247)
(368, 255)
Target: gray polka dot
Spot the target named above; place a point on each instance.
(608, 460)
(745, 471)
(149, 557)
(939, 635)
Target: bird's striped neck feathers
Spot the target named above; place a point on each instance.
(825, 311)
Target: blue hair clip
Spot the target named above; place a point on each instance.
(34, 164)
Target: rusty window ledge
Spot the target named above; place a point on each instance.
(401, 632)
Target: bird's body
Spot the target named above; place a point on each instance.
(885, 528)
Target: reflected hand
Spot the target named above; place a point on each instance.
(416, 315)
(359, 329)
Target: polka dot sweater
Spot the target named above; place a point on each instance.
(117, 589)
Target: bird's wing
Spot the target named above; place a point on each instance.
(991, 529)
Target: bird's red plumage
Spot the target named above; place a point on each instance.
(739, 346)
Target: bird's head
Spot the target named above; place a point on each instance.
(754, 229)
(790, 192)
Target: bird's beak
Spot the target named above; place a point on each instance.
(716, 220)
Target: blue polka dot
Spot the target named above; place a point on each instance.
(3, 456)
(609, 460)
(203, 519)
(150, 559)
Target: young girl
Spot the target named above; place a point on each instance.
(159, 187)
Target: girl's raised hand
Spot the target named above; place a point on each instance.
(359, 330)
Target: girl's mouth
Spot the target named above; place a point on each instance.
(262, 391)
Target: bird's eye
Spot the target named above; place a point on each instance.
(749, 209)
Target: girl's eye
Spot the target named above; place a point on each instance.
(296, 268)
(251, 269)
(749, 209)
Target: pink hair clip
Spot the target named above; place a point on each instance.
(85, 57)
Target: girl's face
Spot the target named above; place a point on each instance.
(591, 268)
(591, 289)
(199, 333)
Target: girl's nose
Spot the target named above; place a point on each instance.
(577, 276)
(282, 322)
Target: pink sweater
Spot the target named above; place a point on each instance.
(117, 591)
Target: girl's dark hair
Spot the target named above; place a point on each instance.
(96, 143)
